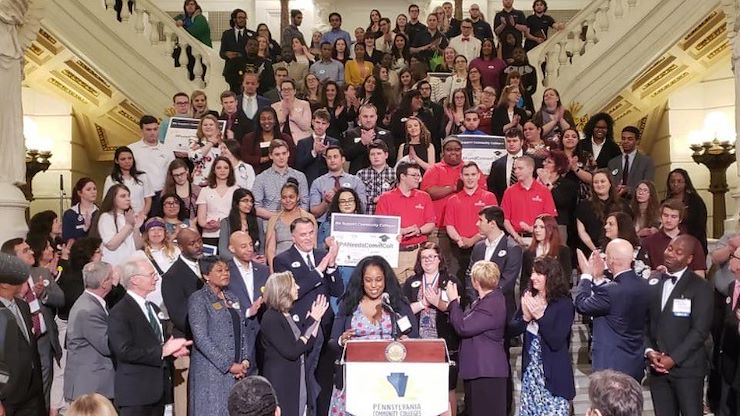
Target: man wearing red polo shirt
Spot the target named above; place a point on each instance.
(416, 212)
(441, 182)
(461, 215)
(524, 201)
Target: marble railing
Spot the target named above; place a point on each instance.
(133, 48)
(608, 43)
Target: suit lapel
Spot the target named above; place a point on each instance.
(501, 246)
(677, 292)
(142, 315)
(238, 285)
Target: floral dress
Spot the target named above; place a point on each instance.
(364, 329)
(535, 399)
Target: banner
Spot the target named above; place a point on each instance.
(360, 236)
(182, 131)
(482, 150)
(396, 389)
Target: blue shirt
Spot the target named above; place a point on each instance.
(473, 133)
(334, 34)
(333, 70)
(326, 182)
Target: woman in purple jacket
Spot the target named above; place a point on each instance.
(483, 365)
(546, 317)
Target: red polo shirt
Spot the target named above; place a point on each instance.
(462, 210)
(442, 174)
(413, 209)
(522, 204)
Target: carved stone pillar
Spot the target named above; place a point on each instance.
(19, 24)
(458, 9)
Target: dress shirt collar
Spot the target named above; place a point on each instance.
(494, 243)
(192, 264)
(98, 298)
(139, 301)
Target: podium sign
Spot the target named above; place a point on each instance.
(413, 384)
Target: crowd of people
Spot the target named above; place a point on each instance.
(210, 264)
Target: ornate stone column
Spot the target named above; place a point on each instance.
(732, 14)
(284, 16)
(458, 9)
(19, 22)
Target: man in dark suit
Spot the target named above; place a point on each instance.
(234, 40)
(618, 307)
(679, 321)
(140, 345)
(316, 273)
(89, 363)
(501, 175)
(310, 150)
(182, 280)
(637, 166)
(248, 104)
(507, 255)
(20, 366)
(247, 280)
(356, 141)
(43, 297)
(729, 342)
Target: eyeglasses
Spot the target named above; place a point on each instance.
(347, 201)
(733, 256)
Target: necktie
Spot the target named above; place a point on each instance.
(735, 295)
(239, 36)
(309, 262)
(337, 185)
(512, 176)
(626, 170)
(465, 39)
(19, 319)
(250, 107)
(153, 321)
(30, 297)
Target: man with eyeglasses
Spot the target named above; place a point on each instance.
(481, 28)
(181, 104)
(326, 186)
(466, 44)
(414, 26)
(140, 344)
(417, 215)
(510, 21)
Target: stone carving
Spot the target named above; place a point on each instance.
(19, 22)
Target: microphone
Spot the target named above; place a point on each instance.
(385, 300)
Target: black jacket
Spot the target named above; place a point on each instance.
(20, 359)
(178, 283)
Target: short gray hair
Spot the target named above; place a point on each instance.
(94, 273)
(614, 394)
(130, 268)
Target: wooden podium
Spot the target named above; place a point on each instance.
(396, 378)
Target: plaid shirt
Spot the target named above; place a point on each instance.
(376, 183)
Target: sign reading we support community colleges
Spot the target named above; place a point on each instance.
(483, 150)
(360, 236)
(182, 131)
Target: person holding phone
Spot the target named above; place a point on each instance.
(118, 226)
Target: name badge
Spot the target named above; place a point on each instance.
(217, 306)
(682, 307)
(444, 296)
(264, 145)
(404, 324)
(357, 139)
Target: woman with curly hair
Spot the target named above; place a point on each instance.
(362, 316)
(591, 214)
(545, 317)
(599, 139)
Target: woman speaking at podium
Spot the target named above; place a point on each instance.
(366, 311)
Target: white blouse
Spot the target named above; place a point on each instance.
(107, 229)
(217, 206)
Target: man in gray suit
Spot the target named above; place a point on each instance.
(89, 364)
(631, 166)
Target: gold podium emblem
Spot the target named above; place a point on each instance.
(395, 352)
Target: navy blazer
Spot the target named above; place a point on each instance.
(260, 273)
(312, 166)
(554, 331)
(619, 309)
(282, 362)
(343, 322)
(508, 258)
(311, 284)
(481, 328)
